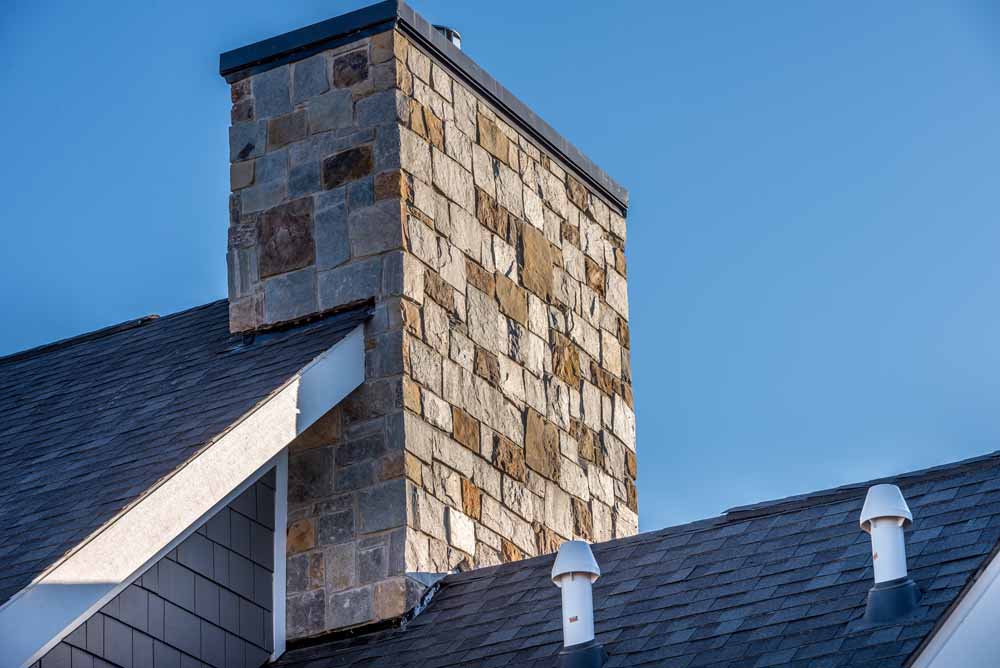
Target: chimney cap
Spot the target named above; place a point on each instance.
(575, 557)
(885, 501)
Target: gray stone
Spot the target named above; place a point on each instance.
(361, 193)
(303, 179)
(341, 572)
(382, 108)
(305, 613)
(240, 174)
(262, 196)
(270, 92)
(375, 229)
(349, 608)
(350, 68)
(332, 111)
(332, 241)
(350, 283)
(348, 165)
(372, 564)
(383, 507)
(290, 295)
(247, 140)
(309, 78)
(310, 475)
(387, 147)
(336, 527)
(272, 167)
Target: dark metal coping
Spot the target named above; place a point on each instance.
(259, 57)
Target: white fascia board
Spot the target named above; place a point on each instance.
(35, 619)
(968, 637)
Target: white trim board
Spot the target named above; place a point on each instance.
(968, 637)
(44, 612)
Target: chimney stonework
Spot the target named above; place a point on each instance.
(497, 419)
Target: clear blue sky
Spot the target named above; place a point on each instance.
(814, 235)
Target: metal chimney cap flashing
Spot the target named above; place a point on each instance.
(451, 34)
(575, 557)
(586, 655)
(885, 501)
(891, 601)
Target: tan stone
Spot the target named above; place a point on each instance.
(623, 333)
(571, 234)
(413, 468)
(630, 464)
(578, 194)
(595, 276)
(479, 277)
(411, 317)
(620, 261)
(513, 299)
(492, 138)
(631, 496)
(417, 119)
(546, 540)
(510, 552)
(471, 499)
(583, 524)
(435, 129)
(565, 359)
(411, 395)
(487, 365)
(491, 214)
(541, 446)
(389, 185)
(439, 290)
(465, 428)
(509, 458)
(301, 536)
(538, 264)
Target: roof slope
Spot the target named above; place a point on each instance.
(775, 584)
(89, 424)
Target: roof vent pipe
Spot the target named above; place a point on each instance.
(451, 34)
(885, 516)
(574, 572)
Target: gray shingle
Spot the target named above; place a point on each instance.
(779, 584)
(89, 424)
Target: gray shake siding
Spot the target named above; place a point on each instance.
(206, 603)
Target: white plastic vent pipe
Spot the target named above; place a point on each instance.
(574, 572)
(885, 516)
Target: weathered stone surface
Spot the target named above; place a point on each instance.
(391, 185)
(538, 262)
(349, 283)
(541, 446)
(310, 475)
(271, 94)
(471, 498)
(247, 140)
(509, 458)
(480, 278)
(286, 240)
(436, 410)
(309, 78)
(509, 551)
(305, 572)
(546, 540)
(578, 194)
(437, 289)
(461, 531)
(513, 299)
(350, 68)
(583, 524)
(241, 174)
(348, 165)
(375, 229)
(465, 429)
(336, 527)
(306, 613)
(332, 239)
(487, 365)
(301, 536)
(383, 506)
(565, 359)
(491, 215)
(493, 139)
(285, 129)
(350, 608)
(595, 276)
(332, 111)
(453, 180)
(290, 296)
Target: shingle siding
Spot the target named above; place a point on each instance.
(206, 603)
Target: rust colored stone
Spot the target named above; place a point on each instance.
(510, 552)
(471, 499)
(595, 276)
(546, 540)
(389, 185)
(417, 119)
(541, 446)
(285, 129)
(301, 536)
(411, 318)
(630, 464)
(620, 261)
(439, 290)
(565, 359)
(479, 277)
(465, 428)
(492, 138)
(623, 333)
(413, 468)
(583, 521)
(578, 194)
(537, 258)
(631, 495)
(286, 238)
(513, 299)
(571, 234)
(350, 68)
(348, 165)
(509, 458)
(487, 365)
(435, 129)
(411, 395)
(493, 216)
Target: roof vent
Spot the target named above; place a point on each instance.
(574, 572)
(885, 516)
(451, 34)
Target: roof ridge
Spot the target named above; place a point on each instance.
(97, 334)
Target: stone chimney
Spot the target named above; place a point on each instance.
(371, 159)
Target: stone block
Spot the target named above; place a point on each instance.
(336, 527)
(541, 446)
(282, 130)
(617, 293)
(290, 296)
(271, 93)
(332, 111)
(425, 365)
(513, 299)
(305, 613)
(286, 238)
(305, 572)
(436, 410)
(482, 318)
(333, 246)
(509, 458)
(309, 78)
(349, 283)
(240, 174)
(350, 68)
(354, 163)
(247, 140)
(538, 263)
(350, 608)
(471, 499)
(375, 229)
(301, 536)
(453, 180)
(382, 506)
(493, 139)
(341, 566)
(558, 510)
(565, 359)
(487, 365)
(461, 531)
(382, 108)
(304, 179)
(583, 524)
(372, 562)
(465, 429)
(510, 552)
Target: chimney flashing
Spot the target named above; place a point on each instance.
(298, 44)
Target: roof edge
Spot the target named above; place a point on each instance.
(240, 63)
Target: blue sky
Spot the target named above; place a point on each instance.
(814, 230)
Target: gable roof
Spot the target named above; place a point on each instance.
(89, 424)
(782, 583)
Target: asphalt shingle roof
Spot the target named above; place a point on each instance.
(89, 424)
(775, 584)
